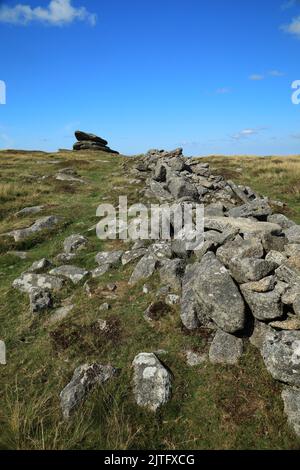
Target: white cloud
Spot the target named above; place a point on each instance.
(276, 73)
(293, 27)
(256, 77)
(245, 133)
(223, 91)
(57, 13)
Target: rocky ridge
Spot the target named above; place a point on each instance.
(242, 284)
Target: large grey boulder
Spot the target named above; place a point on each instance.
(40, 299)
(281, 354)
(250, 269)
(240, 248)
(75, 243)
(293, 234)
(257, 208)
(45, 223)
(281, 220)
(27, 281)
(171, 272)
(152, 381)
(179, 187)
(144, 269)
(265, 306)
(218, 296)
(225, 349)
(274, 242)
(85, 377)
(291, 400)
(74, 273)
(190, 309)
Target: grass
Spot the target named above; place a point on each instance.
(213, 407)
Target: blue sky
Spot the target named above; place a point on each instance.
(213, 76)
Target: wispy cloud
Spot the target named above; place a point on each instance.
(276, 73)
(57, 13)
(289, 4)
(246, 133)
(296, 136)
(293, 27)
(223, 91)
(256, 77)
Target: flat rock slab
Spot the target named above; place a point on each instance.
(27, 281)
(112, 258)
(45, 223)
(245, 226)
(60, 314)
(74, 273)
(152, 381)
(281, 354)
(84, 379)
(29, 211)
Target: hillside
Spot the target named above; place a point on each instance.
(213, 406)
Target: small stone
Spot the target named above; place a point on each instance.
(2, 353)
(104, 307)
(156, 311)
(39, 266)
(259, 334)
(172, 299)
(289, 324)
(60, 314)
(152, 382)
(74, 273)
(144, 269)
(195, 359)
(74, 243)
(264, 285)
(84, 379)
(111, 287)
(100, 271)
(225, 349)
(111, 258)
(40, 300)
(291, 399)
(172, 272)
(276, 257)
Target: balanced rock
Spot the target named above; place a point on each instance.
(88, 141)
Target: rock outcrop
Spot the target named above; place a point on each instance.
(86, 141)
